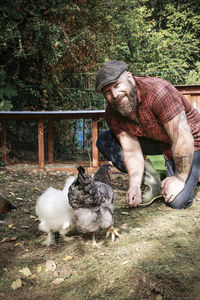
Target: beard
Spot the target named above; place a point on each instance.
(128, 105)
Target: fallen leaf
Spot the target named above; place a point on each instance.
(10, 225)
(124, 226)
(8, 239)
(18, 198)
(38, 269)
(132, 291)
(17, 244)
(32, 217)
(158, 297)
(124, 213)
(12, 193)
(68, 258)
(33, 276)
(58, 280)
(16, 284)
(50, 265)
(25, 271)
(138, 229)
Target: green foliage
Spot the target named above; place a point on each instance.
(158, 37)
(194, 75)
(7, 91)
(5, 105)
(44, 44)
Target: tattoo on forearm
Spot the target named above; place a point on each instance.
(183, 164)
(180, 134)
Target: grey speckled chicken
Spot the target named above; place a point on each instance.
(93, 201)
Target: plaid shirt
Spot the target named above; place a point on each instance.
(158, 103)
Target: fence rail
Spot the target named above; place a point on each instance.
(51, 116)
(192, 93)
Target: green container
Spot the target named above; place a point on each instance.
(158, 162)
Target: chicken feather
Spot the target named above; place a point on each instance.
(83, 192)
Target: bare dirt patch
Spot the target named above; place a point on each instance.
(157, 256)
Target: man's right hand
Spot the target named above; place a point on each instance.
(134, 196)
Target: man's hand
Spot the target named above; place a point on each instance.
(171, 187)
(133, 196)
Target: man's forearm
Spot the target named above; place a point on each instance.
(182, 145)
(133, 157)
(135, 168)
(183, 165)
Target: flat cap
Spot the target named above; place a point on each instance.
(109, 72)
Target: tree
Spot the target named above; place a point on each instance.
(158, 37)
(50, 49)
(43, 44)
(193, 77)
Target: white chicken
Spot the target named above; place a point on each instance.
(55, 212)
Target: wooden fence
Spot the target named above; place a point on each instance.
(192, 93)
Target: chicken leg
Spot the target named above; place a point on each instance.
(94, 243)
(50, 241)
(113, 233)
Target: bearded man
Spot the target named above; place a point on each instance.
(149, 116)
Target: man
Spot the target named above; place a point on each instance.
(149, 116)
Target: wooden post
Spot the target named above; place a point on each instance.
(41, 143)
(3, 141)
(95, 152)
(50, 141)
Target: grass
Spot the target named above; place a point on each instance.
(157, 256)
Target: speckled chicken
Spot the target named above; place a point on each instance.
(93, 200)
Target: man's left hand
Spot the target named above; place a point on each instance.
(171, 187)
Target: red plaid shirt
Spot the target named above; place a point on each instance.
(158, 103)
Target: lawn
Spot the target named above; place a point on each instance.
(157, 256)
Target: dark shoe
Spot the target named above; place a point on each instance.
(152, 184)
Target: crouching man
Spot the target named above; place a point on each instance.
(149, 116)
